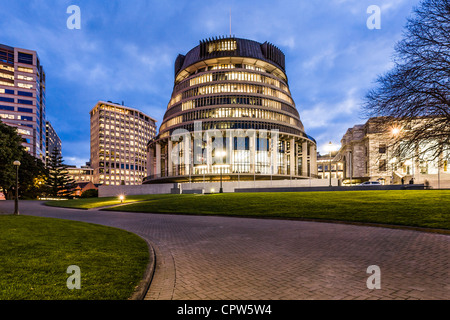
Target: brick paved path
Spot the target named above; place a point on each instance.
(237, 258)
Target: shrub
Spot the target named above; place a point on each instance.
(91, 193)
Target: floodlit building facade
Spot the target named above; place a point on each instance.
(231, 116)
(328, 165)
(119, 137)
(53, 142)
(367, 154)
(82, 174)
(22, 97)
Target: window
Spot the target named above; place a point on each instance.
(382, 148)
(25, 85)
(21, 77)
(7, 56)
(6, 116)
(25, 118)
(7, 91)
(24, 93)
(7, 99)
(22, 101)
(25, 58)
(6, 67)
(9, 108)
(4, 83)
(382, 165)
(23, 69)
(6, 76)
(25, 110)
(241, 143)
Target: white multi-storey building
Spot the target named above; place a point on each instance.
(119, 137)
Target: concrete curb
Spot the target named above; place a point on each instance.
(144, 285)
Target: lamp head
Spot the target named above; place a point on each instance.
(395, 131)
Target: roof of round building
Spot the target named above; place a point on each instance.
(234, 47)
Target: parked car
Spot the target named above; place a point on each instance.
(370, 183)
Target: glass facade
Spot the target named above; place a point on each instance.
(232, 91)
(22, 96)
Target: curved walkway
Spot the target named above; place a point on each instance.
(201, 257)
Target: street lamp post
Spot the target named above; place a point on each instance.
(221, 154)
(330, 148)
(221, 189)
(16, 201)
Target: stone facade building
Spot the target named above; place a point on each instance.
(367, 153)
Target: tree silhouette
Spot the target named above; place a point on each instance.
(58, 182)
(32, 172)
(415, 95)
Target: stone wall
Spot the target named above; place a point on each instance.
(209, 187)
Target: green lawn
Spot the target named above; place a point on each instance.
(36, 252)
(418, 208)
(89, 203)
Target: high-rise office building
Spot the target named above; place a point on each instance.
(119, 137)
(22, 96)
(52, 141)
(231, 113)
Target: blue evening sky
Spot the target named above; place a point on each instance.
(125, 51)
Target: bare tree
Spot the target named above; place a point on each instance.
(415, 95)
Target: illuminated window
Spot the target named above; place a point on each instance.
(6, 67)
(6, 76)
(21, 77)
(23, 69)
(222, 45)
(6, 116)
(3, 83)
(24, 85)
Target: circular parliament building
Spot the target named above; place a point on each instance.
(231, 116)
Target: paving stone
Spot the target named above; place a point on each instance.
(212, 258)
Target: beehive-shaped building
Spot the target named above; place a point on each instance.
(231, 116)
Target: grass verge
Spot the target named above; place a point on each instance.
(416, 208)
(90, 203)
(35, 253)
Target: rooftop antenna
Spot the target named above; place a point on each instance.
(230, 22)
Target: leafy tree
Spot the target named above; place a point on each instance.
(58, 182)
(415, 94)
(32, 176)
(11, 149)
(31, 170)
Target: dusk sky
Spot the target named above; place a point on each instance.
(125, 51)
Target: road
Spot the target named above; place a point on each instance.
(212, 258)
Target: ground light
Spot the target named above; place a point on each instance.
(121, 198)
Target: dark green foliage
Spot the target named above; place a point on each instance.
(32, 172)
(91, 193)
(58, 182)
